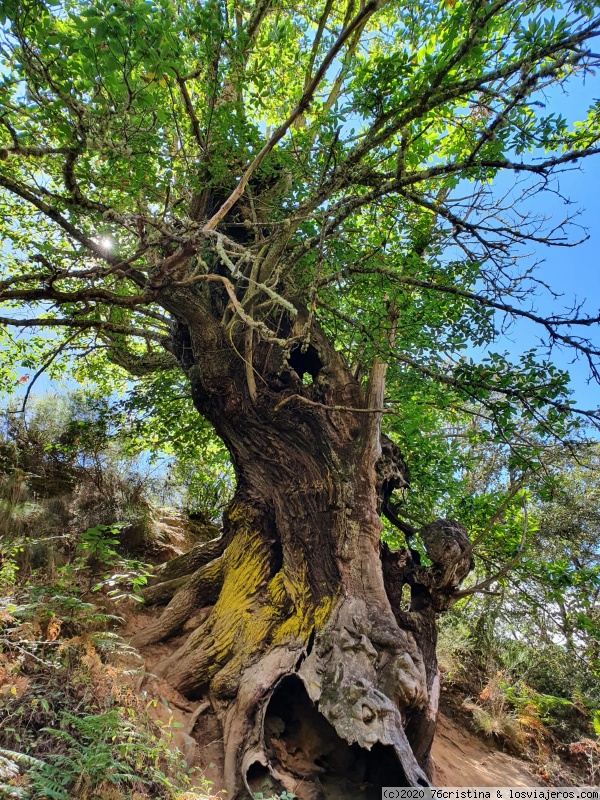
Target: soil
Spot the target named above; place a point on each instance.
(463, 759)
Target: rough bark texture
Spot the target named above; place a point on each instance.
(322, 682)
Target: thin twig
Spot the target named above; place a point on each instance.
(350, 409)
(45, 366)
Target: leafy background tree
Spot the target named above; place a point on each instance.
(297, 212)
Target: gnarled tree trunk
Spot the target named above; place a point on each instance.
(319, 678)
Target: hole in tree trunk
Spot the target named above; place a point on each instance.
(182, 342)
(305, 363)
(304, 746)
(259, 779)
(276, 556)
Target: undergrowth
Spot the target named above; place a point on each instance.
(501, 685)
(72, 725)
(77, 528)
(72, 523)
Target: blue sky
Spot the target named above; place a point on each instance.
(573, 272)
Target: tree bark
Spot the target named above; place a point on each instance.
(319, 678)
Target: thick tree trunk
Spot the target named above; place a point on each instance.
(321, 682)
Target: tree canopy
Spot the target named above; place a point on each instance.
(339, 159)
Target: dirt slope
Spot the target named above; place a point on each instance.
(462, 759)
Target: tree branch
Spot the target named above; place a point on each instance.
(45, 366)
(52, 213)
(368, 10)
(82, 324)
(480, 587)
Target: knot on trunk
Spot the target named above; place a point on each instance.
(449, 547)
(433, 588)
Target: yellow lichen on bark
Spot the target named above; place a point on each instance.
(255, 609)
(304, 616)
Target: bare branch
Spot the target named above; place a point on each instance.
(547, 323)
(48, 292)
(316, 43)
(29, 151)
(83, 324)
(189, 107)
(60, 349)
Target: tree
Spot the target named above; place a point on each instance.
(289, 205)
(535, 629)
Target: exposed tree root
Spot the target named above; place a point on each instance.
(311, 717)
(189, 562)
(161, 593)
(201, 589)
(241, 621)
(321, 698)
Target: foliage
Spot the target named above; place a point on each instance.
(72, 724)
(535, 526)
(372, 136)
(96, 549)
(97, 544)
(529, 722)
(586, 754)
(102, 748)
(525, 653)
(494, 717)
(8, 563)
(160, 418)
(128, 582)
(74, 480)
(453, 646)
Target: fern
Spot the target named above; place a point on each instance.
(83, 616)
(20, 759)
(99, 748)
(113, 643)
(49, 783)
(10, 764)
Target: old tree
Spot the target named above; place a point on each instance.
(296, 206)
